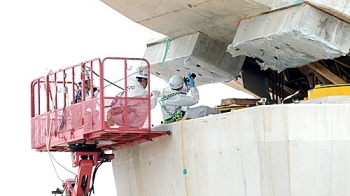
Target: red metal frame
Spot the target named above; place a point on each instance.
(46, 124)
(85, 161)
(58, 128)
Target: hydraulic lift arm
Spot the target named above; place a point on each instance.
(85, 160)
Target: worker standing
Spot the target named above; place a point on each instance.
(175, 102)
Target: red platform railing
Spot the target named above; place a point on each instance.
(57, 121)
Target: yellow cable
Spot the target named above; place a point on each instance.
(183, 154)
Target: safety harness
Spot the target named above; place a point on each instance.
(176, 115)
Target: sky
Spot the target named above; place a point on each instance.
(38, 35)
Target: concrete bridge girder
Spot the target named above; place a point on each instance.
(197, 53)
(291, 37)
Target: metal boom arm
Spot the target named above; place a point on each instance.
(80, 186)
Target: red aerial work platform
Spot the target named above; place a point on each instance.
(62, 123)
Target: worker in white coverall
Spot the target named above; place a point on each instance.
(175, 102)
(137, 110)
(88, 95)
(90, 116)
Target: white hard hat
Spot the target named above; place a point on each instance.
(176, 82)
(142, 72)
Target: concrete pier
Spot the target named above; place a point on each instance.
(291, 149)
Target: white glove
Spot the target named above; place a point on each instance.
(155, 93)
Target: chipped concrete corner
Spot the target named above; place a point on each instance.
(291, 37)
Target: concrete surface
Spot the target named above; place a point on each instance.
(197, 53)
(291, 37)
(263, 150)
(327, 100)
(282, 33)
(338, 8)
(217, 19)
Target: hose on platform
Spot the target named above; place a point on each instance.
(92, 188)
(48, 130)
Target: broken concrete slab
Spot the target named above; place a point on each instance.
(197, 53)
(291, 37)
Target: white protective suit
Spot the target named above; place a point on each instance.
(88, 96)
(137, 109)
(175, 105)
(89, 117)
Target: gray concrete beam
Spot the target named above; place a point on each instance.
(291, 37)
(338, 8)
(195, 53)
(217, 19)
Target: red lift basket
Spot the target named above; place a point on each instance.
(58, 121)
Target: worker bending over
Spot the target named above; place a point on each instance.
(175, 102)
(137, 109)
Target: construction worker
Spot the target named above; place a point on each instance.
(175, 102)
(78, 94)
(89, 117)
(137, 109)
